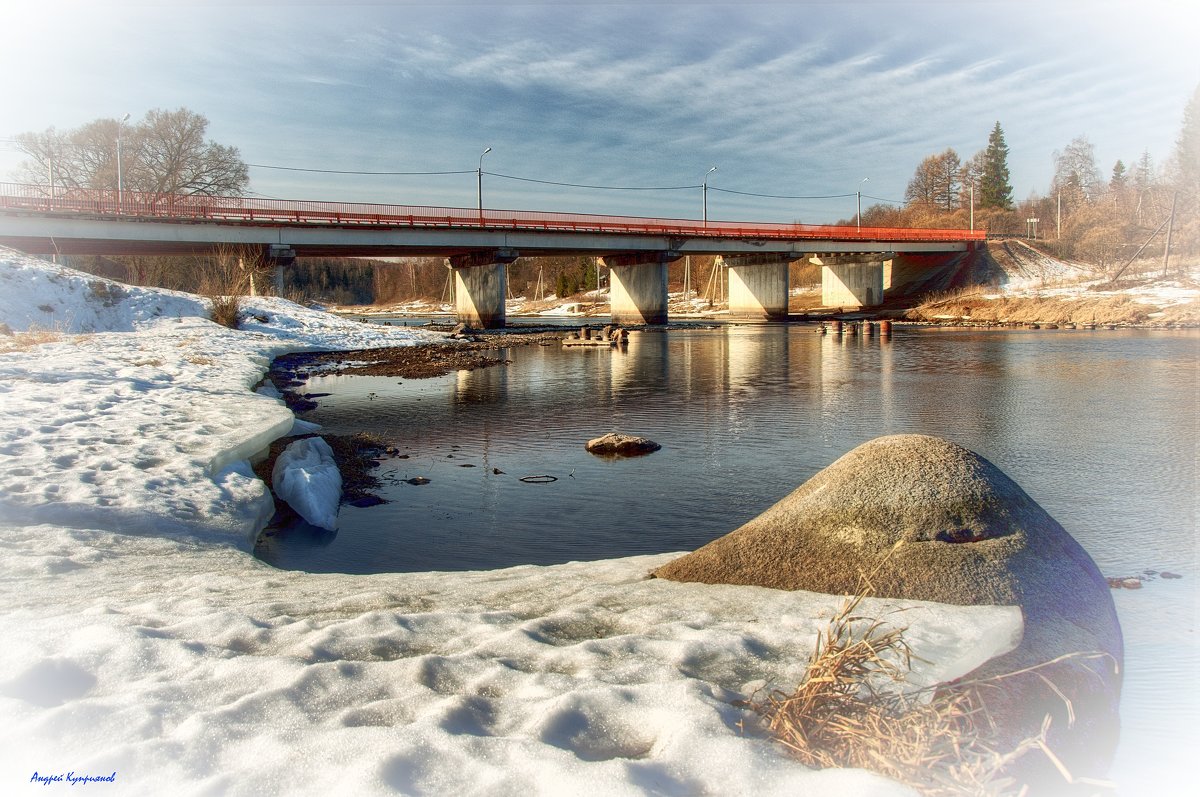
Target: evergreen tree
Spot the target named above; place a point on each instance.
(1187, 151)
(994, 183)
(1120, 178)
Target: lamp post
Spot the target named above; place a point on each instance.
(705, 192)
(858, 203)
(120, 178)
(479, 174)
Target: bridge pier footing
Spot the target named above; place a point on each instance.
(758, 287)
(638, 287)
(847, 282)
(480, 279)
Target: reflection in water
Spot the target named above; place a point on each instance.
(745, 414)
(483, 385)
(639, 367)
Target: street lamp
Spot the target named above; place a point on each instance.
(479, 174)
(120, 179)
(858, 203)
(705, 193)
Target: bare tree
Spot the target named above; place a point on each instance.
(1076, 176)
(936, 181)
(165, 152)
(170, 155)
(971, 180)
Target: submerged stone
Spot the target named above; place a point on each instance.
(918, 517)
(621, 445)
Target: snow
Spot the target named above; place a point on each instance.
(1034, 273)
(307, 478)
(143, 639)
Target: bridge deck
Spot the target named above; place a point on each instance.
(101, 221)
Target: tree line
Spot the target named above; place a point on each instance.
(1082, 215)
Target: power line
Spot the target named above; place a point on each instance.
(560, 183)
(779, 196)
(337, 171)
(597, 187)
(881, 199)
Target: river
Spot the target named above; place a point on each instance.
(1099, 427)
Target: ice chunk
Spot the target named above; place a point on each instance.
(301, 426)
(306, 476)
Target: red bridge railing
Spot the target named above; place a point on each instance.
(138, 206)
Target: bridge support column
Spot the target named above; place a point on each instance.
(637, 287)
(758, 286)
(849, 282)
(480, 279)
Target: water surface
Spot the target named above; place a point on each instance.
(1099, 427)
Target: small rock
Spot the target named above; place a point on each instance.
(1131, 583)
(466, 465)
(417, 480)
(497, 471)
(1169, 574)
(366, 501)
(621, 445)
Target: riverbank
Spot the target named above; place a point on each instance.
(143, 639)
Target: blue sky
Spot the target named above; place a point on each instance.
(786, 98)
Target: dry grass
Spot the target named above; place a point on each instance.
(850, 711)
(226, 310)
(34, 336)
(972, 306)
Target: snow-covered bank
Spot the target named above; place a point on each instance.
(141, 416)
(142, 639)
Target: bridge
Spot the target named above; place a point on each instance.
(478, 244)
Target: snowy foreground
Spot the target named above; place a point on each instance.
(142, 639)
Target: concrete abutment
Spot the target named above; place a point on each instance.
(480, 280)
(852, 281)
(758, 286)
(638, 287)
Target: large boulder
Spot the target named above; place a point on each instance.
(918, 517)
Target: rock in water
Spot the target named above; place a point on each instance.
(930, 520)
(621, 445)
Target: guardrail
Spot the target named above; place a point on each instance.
(137, 206)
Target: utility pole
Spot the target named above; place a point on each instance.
(858, 204)
(1170, 226)
(1058, 223)
(972, 206)
(479, 176)
(704, 194)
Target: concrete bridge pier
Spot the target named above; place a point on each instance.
(758, 286)
(851, 281)
(480, 279)
(637, 287)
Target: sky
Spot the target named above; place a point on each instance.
(789, 99)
